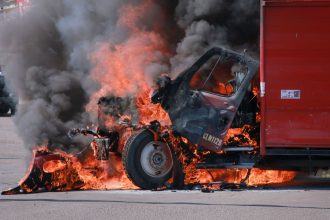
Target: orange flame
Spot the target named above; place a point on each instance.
(120, 68)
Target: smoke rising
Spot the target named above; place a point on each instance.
(207, 23)
(65, 54)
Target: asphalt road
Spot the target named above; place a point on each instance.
(257, 204)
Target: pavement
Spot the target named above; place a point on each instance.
(308, 203)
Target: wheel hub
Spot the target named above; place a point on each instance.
(156, 159)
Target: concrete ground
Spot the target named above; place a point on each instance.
(258, 204)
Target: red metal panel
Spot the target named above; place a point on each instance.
(296, 56)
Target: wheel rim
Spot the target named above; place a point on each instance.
(156, 159)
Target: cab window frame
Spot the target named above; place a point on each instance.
(209, 74)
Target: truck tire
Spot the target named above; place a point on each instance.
(148, 163)
(4, 109)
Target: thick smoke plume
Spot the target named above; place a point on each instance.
(208, 23)
(64, 54)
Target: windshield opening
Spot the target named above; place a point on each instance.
(219, 76)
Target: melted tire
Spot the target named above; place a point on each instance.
(132, 164)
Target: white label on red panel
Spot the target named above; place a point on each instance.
(262, 89)
(290, 94)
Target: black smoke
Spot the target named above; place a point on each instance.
(48, 49)
(233, 24)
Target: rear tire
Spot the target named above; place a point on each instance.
(4, 109)
(148, 163)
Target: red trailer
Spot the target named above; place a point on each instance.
(295, 75)
(295, 105)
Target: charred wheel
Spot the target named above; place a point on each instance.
(148, 163)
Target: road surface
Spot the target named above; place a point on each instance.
(255, 204)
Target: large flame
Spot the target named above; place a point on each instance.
(121, 68)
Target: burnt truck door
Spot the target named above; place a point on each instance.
(207, 96)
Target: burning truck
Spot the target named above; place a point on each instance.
(227, 111)
(213, 109)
